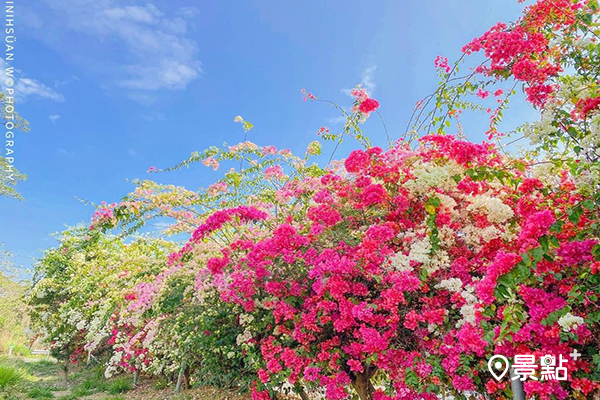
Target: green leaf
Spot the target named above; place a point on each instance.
(575, 214)
(543, 240)
(589, 204)
(537, 254)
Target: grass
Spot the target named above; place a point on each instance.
(42, 368)
(40, 393)
(80, 392)
(161, 383)
(10, 376)
(90, 386)
(41, 380)
(120, 385)
(20, 351)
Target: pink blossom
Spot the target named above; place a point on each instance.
(368, 106)
(482, 93)
(357, 161)
(274, 172)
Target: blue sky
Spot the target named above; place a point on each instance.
(112, 87)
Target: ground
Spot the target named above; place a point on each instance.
(41, 379)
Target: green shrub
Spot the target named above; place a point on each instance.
(81, 391)
(40, 393)
(115, 398)
(9, 376)
(93, 384)
(20, 350)
(161, 383)
(120, 385)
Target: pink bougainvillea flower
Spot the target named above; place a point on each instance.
(368, 106)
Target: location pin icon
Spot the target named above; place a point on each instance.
(498, 366)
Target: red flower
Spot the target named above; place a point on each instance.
(357, 161)
(368, 106)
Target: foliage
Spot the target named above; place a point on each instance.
(9, 175)
(10, 376)
(120, 385)
(13, 315)
(393, 274)
(77, 287)
(40, 393)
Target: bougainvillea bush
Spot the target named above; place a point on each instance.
(395, 273)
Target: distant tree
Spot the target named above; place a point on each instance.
(9, 175)
(13, 312)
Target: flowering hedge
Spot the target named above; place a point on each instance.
(393, 274)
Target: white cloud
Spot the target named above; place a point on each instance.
(146, 14)
(27, 87)
(367, 81)
(54, 118)
(188, 12)
(153, 49)
(132, 153)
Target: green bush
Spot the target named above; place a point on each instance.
(120, 385)
(20, 350)
(81, 391)
(9, 376)
(40, 393)
(90, 385)
(161, 383)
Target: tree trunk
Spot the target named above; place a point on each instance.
(186, 378)
(180, 378)
(136, 376)
(66, 370)
(362, 385)
(301, 392)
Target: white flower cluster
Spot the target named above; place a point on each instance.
(492, 207)
(589, 178)
(439, 260)
(246, 319)
(569, 321)
(447, 202)
(111, 367)
(97, 329)
(419, 252)
(452, 284)
(467, 311)
(539, 130)
(243, 337)
(591, 142)
(476, 237)
(574, 88)
(433, 176)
